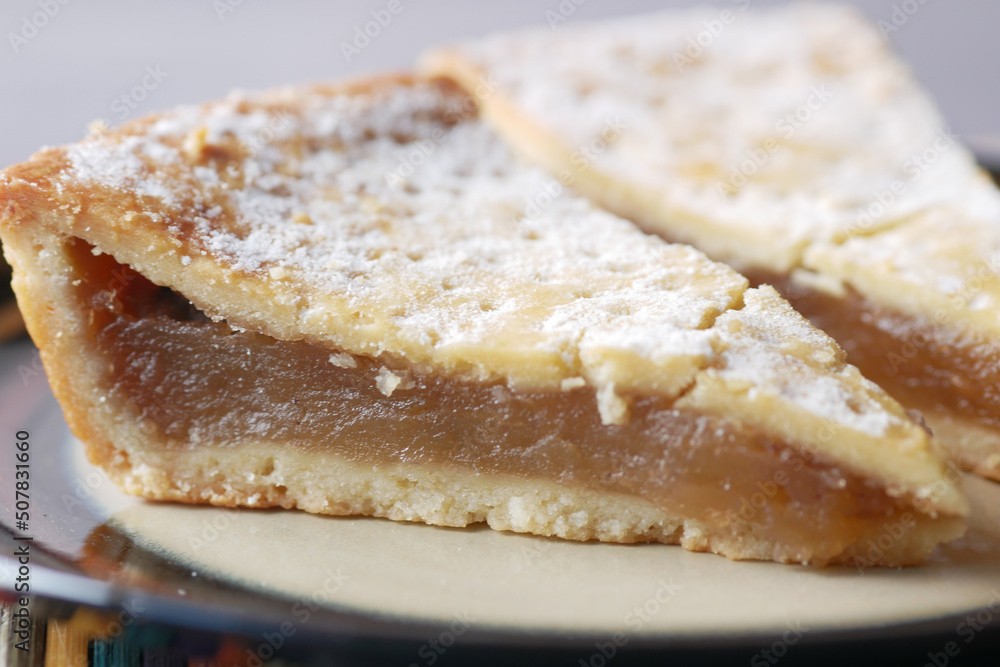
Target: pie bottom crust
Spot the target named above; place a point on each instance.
(65, 303)
(950, 377)
(460, 498)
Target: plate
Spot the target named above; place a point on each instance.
(262, 572)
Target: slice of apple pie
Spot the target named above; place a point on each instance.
(791, 144)
(328, 298)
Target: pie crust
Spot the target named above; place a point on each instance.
(328, 298)
(793, 145)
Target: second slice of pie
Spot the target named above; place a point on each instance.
(793, 145)
(328, 298)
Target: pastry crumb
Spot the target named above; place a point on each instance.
(387, 381)
(343, 360)
(194, 142)
(612, 407)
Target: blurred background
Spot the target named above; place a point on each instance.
(117, 59)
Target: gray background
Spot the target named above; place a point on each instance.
(92, 52)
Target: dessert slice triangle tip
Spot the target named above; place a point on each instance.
(327, 298)
(793, 145)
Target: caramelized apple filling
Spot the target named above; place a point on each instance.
(204, 384)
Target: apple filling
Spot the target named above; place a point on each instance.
(202, 384)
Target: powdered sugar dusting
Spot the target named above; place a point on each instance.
(401, 208)
(396, 213)
(123, 165)
(774, 349)
(786, 126)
